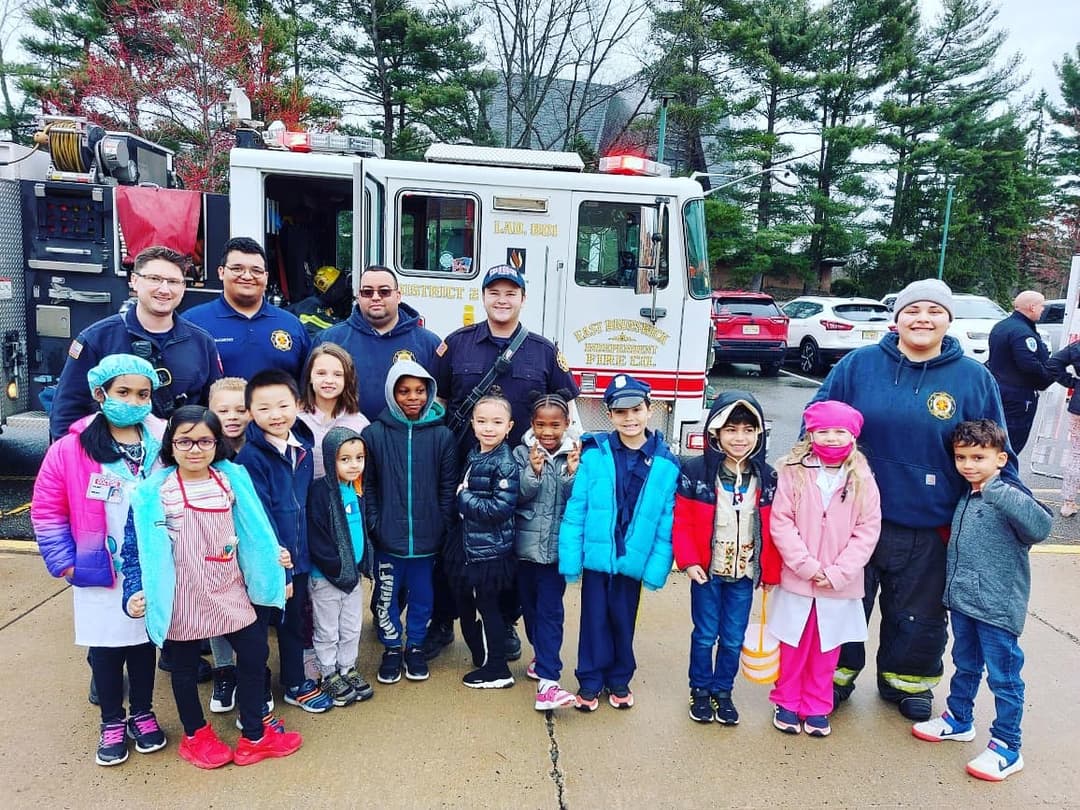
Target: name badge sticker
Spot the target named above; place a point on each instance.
(104, 487)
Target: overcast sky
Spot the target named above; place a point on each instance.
(1042, 31)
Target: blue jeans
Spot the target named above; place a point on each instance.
(720, 611)
(414, 575)
(977, 644)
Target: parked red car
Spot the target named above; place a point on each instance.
(748, 327)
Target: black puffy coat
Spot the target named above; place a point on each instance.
(487, 503)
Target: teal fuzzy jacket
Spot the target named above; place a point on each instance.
(587, 532)
(148, 563)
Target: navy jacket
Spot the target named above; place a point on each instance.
(272, 338)
(282, 490)
(410, 474)
(373, 353)
(1059, 369)
(487, 504)
(1018, 356)
(187, 352)
(910, 412)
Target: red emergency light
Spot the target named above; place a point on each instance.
(633, 165)
(297, 141)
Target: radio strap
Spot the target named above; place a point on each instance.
(460, 419)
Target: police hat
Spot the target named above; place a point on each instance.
(503, 272)
(626, 392)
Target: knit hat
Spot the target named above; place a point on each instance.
(927, 289)
(115, 365)
(832, 414)
(626, 392)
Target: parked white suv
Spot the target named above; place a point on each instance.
(822, 329)
(973, 318)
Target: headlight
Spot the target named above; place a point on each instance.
(978, 335)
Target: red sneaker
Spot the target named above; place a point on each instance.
(271, 745)
(204, 750)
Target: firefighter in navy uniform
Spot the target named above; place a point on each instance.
(463, 361)
(1018, 361)
(183, 354)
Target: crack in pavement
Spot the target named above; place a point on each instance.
(1070, 636)
(32, 608)
(556, 773)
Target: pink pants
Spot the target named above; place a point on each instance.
(805, 685)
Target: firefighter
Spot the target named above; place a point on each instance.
(183, 354)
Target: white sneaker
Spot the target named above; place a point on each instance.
(996, 763)
(941, 728)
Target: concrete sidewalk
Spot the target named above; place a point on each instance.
(438, 744)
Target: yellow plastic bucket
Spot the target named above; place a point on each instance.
(760, 658)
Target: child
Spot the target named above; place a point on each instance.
(825, 522)
(549, 458)
(277, 456)
(328, 396)
(987, 585)
(339, 555)
(226, 400)
(79, 510)
(409, 480)
(721, 539)
(616, 535)
(480, 561)
(204, 555)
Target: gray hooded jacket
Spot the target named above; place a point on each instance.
(541, 501)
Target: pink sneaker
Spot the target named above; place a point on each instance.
(554, 697)
(530, 671)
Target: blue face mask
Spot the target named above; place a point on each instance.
(124, 414)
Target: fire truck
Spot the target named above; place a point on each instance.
(615, 262)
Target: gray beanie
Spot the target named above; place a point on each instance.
(927, 289)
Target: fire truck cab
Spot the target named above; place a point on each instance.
(615, 262)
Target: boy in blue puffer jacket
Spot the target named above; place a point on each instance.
(615, 536)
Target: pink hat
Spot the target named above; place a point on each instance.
(832, 414)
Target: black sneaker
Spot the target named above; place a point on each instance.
(416, 668)
(726, 713)
(339, 689)
(918, 707)
(513, 643)
(489, 678)
(112, 745)
(841, 693)
(362, 687)
(701, 706)
(439, 635)
(143, 728)
(224, 697)
(390, 668)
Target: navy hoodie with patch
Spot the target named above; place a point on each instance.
(911, 410)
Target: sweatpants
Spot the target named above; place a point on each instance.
(908, 568)
(541, 589)
(414, 575)
(609, 605)
(252, 651)
(337, 617)
(107, 665)
(486, 639)
(806, 674)
(289, 625)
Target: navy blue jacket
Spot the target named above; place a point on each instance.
(187, 352)
(910, 412)
(1018, 356)
(282, 490)
(487, 504)
(272, 338)
(373, 353)
(1059, 368)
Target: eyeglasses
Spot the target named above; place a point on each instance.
(184, 445)
(240, 270)
(383, 292)
(157, 281)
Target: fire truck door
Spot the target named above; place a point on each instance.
(369, 217)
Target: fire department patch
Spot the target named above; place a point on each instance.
(281, 340)
(75, 350)
(441, 349)
(941, 404)
(1031, 344)
(560, 358)
(404, 354)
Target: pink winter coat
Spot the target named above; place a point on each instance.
(810, 538)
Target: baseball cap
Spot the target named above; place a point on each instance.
(503, 272)
(626, 392)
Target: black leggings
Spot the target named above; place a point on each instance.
(251, 654)
(107, 664)
(486, 603)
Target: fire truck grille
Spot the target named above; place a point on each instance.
(594, 418)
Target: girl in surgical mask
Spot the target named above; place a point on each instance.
(79, 512)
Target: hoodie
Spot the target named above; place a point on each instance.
(340, 551)
(695, 497)
(374, 353)
(541, 500)
(411, 474)
(910, 412)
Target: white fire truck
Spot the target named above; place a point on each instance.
(615, 262)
